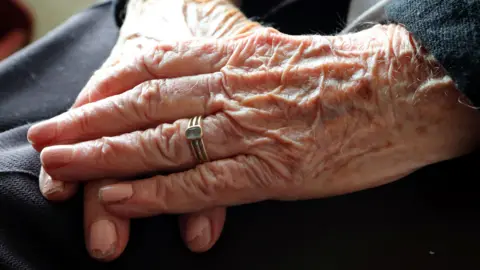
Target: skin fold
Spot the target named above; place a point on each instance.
(286, 118)
(154, 20)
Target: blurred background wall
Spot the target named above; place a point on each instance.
(50, 13)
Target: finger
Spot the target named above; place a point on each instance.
(165, 60)
(106, 235)
(201, 230)
(55, 190)
(144, 106)
(243, 179)
(164, 148)
(111, 80)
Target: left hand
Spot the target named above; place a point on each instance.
(287, 117)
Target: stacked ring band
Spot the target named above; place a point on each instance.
(194, 134)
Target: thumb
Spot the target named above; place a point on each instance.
(201, 230)
(106, 235)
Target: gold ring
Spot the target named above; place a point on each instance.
(194, 134)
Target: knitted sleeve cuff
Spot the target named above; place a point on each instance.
(119, 11)
(450, 30)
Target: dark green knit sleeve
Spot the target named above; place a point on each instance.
(450, 30)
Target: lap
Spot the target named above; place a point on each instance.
(426, 221)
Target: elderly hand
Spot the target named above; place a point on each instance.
(286, 117)
(147, 21)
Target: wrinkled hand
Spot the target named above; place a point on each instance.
(287, 117)
(149, 21)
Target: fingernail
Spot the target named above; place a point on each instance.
(103, 239)
(115, 193)
(42, 133)
(52, 186)
(54, 157)
(199, 232)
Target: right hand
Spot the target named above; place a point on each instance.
(378, 113)
(208, 18)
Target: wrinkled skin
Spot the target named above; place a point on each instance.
(155, 20)
(287, 118)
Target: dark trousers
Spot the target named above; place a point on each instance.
(429, 220)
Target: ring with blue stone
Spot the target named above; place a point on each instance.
(194, 134)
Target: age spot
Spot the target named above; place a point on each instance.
(421, 130)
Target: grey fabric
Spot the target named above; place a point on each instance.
(360, 7)
(428, 220)
(450, 30)
(372, 15)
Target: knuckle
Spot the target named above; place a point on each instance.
(166, 144)
(81, 119)
(148, 99)
(265, 35)
(214, 82)
(212, 181)
(163, 196)
(122, 111)
(155, 57)
(225, 128)
(100, 84)
(152, 194)
(105, 151)
(221, 81)
(219, 130)
(216, 179)
(261, 176)
(267, 177)
(142, 141)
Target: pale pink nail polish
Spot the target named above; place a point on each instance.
(115, 193)
(52, 186)
(54, 157)
(198, 233)
(42, 133)
(103, 239)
